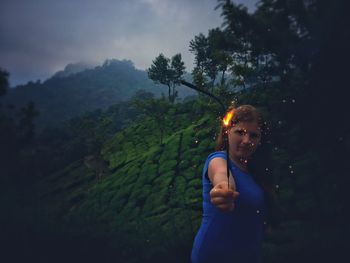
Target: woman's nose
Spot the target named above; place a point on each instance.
(246, 139)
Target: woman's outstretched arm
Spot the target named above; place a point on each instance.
(222, 195)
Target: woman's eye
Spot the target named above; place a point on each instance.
(240, 132)
(254, 136)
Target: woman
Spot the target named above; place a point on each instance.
(233, 214)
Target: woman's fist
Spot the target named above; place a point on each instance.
(223, 197)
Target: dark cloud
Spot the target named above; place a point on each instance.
(39, 37)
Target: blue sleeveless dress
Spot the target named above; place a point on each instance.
(234, 236)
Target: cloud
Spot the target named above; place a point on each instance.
(40, 37)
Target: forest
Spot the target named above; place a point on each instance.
(121, 182)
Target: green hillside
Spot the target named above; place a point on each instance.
(147, 186)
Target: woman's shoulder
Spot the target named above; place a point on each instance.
(216, 154)
(211, 156)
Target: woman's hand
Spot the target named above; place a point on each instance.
(223, 197)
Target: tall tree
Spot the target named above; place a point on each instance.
(4, 84)
(168, 72)
(199, 46)
(26, 122)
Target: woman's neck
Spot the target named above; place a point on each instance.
(242, 163)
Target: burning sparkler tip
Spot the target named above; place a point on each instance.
(227, 119)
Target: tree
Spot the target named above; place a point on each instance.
(301, 48)
(26, 122)
(4, 84)
(198, 46)
(211, 58)
(157, 110)
(167, 72)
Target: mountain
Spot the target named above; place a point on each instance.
(71, 69)
(78, 89)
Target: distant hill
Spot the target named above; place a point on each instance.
(71, 69)
(78, 89)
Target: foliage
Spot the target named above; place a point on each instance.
(157, 110)
(16, 136)
(168, 72)
(210, 58)
(4, 84)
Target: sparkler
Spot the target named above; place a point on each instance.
(226, 121)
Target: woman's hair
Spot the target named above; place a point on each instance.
(260, 163)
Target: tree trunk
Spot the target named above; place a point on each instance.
(223, 77)
(169, 93)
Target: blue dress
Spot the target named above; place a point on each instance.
(234, 236)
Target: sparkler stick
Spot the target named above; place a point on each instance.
(226, 120)
(190, 85)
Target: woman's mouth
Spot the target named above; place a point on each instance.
(243, 147)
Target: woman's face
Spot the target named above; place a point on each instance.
(244, 138)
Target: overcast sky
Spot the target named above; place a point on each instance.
(40, 37)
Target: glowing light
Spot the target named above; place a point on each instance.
(277, 186)
(257, 211)
(228, 118)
